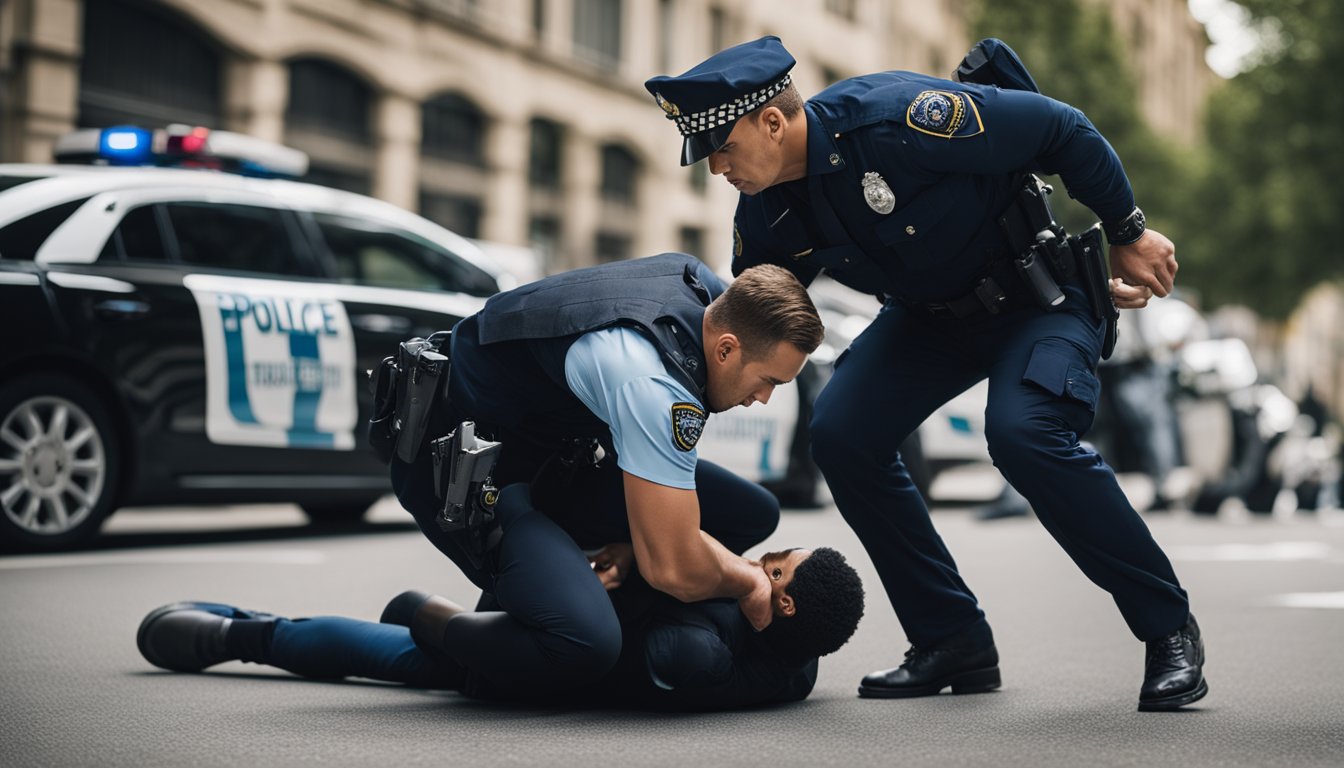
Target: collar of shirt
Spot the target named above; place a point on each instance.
(822, 154)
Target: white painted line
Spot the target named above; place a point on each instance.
(211, 557)
(1277, 551)
(1310, 600)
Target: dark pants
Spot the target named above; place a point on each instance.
(557, 626)
(1042, 393)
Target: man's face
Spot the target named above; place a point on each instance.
(779, 568)
(733, 381)
(752, 158)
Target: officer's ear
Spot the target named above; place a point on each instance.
(772, 119)
(784, 605)
(726, 345)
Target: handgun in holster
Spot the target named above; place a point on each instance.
(407, 388)
(463, 468)
(1096, 279)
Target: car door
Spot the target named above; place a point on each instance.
(202, 308)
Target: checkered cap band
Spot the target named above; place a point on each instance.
(694, 123)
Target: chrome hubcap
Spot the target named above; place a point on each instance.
(52, 465)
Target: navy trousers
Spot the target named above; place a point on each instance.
(1042, 394)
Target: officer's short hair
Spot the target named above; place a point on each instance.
(764, 306)
(828, 597)
(788, 101)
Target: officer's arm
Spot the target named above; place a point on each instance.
(1020, 130)
(758, 241)
(676, 557)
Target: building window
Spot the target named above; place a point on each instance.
(845, 9)
(452, 128)
(326, 98)
(700, 176)
(831, 76)
(539, 19)
(612, 246)
(666, 24)
(544, 167)
(693, 242)
(145, 66)
(597, 32)
(459, 213)
(718, 30)
(543, 232)
(328, 116)
(620, 174)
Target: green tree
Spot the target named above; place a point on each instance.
(1073, 53)
(1271, 194)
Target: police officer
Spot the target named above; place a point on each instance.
(633, 356)
(893, 183)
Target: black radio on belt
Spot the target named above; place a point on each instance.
(406, 388)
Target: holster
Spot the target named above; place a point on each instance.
(1095, 276)
(407, 388)
(463, 468)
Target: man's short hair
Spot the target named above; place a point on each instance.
(788, 101)
(828, 600)
(764, 306)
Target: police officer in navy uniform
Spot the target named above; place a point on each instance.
(631, 356)
(893, 183)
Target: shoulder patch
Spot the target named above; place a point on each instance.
(945, 114)
(688, 422)
(737, 242)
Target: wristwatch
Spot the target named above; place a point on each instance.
(1128, 230)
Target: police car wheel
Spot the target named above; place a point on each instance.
(58, 463)
(337, 514)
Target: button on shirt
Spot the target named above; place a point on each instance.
(620, 376)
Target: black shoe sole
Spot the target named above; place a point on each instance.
(975, 681)
(1169, 703)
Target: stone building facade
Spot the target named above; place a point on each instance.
(522, 122)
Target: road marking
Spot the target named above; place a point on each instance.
(211, 557)
(1277, 551)
(1310, 600)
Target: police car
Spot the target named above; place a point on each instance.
(186, 335)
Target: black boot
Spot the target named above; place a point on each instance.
(1173, 674)
(190, 636)
(966, 661)
(425, 614)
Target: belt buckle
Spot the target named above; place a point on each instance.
(990, 295)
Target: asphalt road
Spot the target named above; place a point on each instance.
(1268, 593)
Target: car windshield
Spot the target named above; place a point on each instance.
(367, 253)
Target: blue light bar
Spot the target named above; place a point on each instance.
(125, 145)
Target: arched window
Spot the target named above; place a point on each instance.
(453, 128)
(620, 174)
(328, 116)
(146, 66)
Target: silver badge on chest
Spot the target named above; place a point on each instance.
(877, 194)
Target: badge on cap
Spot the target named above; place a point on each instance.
(945, 114)
(668, 107)
(688, 422)
(877, 194)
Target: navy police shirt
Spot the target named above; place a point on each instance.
(906, 177)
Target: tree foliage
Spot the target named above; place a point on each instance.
(1270, 217)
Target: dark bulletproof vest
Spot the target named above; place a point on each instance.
(663, 296)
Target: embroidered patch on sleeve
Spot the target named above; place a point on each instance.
(688, 422)
(737, 242)
(944, 114)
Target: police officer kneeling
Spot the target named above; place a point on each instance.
(907, 187)
(596, 384)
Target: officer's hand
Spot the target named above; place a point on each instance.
(1129, 296)
(613, 563)
(756, 604)
(1148, 262)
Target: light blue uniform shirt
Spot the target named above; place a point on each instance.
(620, 376)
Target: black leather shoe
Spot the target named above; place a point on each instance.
(424, 613)
(189, 636)
(1173, 674)
(967, 662)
